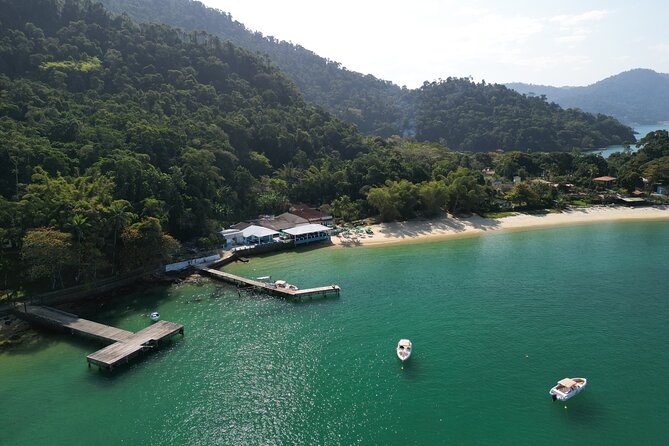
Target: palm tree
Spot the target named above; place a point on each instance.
(79, 225)
(119, 217)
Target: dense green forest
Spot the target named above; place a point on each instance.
(480, 117)
(374, 105)
(179, 131)
(460, 113)
(637, 96)
(119, 140)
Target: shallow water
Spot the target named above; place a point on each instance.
(495, 321)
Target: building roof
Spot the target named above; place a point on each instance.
(230, 232)
(604, 178)
(307, 229)
(283, 221)
(258, 231)
(241, 225)
(309, 213)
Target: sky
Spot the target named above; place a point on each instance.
(564, 42)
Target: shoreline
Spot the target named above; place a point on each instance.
(448, 227)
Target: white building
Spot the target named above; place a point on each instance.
(308, 233)
(232, 236)
(258, 235)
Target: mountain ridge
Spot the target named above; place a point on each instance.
(383, 109)
(636, 96)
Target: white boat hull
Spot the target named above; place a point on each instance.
(404, 349)
(559, 393)
(403, 354)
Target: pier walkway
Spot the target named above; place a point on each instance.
(125, 344)
(270, 288)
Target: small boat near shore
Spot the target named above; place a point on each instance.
(404, 349)
(155, 316)
(567, 388)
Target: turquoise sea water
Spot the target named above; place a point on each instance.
(641, 131)
(495, 321)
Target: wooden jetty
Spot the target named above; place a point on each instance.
(125, 344)
(270, 288)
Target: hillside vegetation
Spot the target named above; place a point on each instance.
(462, 114)
(119, 140)
(176, 131)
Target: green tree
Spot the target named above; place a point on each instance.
(118, 216)
(522, 195)
(145, 245)
(46, 252)
(464, 191)
(433, 196)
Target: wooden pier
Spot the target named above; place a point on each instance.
(125, 344)
(270, 288)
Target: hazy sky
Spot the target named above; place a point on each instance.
(561, 42)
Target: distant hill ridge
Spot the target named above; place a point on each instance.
(456, 112)
(639, 96)
(374, 105)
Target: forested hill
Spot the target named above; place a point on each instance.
(374, 105)
(638, 96)
(181, 127)
(459, 113)
(479, 117)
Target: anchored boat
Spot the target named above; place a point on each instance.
(155, 317)
(404, 349)
(567, 388)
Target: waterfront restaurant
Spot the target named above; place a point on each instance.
(258, 235)
(308, 233)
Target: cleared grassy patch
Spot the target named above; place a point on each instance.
(70, 65)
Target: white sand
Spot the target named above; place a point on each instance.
(448, 227)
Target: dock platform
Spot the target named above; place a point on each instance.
(270, 288)
(125, 345)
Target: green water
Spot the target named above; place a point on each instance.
(495, 321)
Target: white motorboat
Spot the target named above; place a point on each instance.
(155, 316)
(567, 388)
(404, 349)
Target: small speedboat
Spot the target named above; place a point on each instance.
(567, 388)
(155, 316)
(404, 349)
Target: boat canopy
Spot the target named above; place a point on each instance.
(404, 343)
(567, 382)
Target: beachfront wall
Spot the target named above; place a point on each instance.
(172, 267)
(308, 233)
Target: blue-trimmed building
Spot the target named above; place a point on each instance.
(308, 233)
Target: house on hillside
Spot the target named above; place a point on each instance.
(605, 181)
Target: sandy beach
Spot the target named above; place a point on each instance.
(450, 227)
